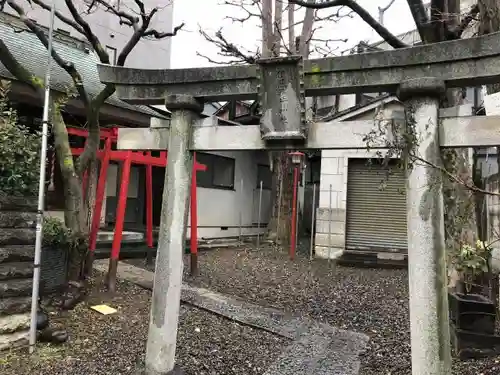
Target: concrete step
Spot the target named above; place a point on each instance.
(21, 253)
(9, 203)
(16, 270)
(13, 219)
(15, 288)
(17, 236)
(15, 305)
(107, 236)
(373, 259)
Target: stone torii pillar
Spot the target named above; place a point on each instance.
(429, 327)
(160, 352)
(281, 85)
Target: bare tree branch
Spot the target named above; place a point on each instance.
(68, 66)
(160, 35)
(291, 30)
(306, 34)
(245, 7)
(437, 26)
(59, 15)
(277, 26)
(420, 17)
(124, 17)
(227, 49)
(466, 21)
(267, 27)
(15, 68)
(381, 30)
(382, 10)
(453, 177)
(87, 31)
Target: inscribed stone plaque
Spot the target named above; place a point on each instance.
(282, 99)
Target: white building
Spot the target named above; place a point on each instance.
(148, 54)
(355, 214)
(228, 192)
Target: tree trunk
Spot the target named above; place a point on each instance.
(280, 222)
(460, 219)
(74, 215)
(489, 13)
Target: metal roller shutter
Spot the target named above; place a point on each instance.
(376, 217)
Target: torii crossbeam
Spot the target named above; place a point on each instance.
(419, 75)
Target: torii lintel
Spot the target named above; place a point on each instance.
(459, 63)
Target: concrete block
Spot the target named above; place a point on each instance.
(323, 239)
(330, 165)
(126, 236)
(336, 180)
(14, 323)
(323, 213)
(324, 226)
(13, 340)
(332, 153)
(17, 219)
(324, 199)
(325, 253)
(342, 165)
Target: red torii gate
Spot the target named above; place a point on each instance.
(105, 155)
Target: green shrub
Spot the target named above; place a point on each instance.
(19, 154)
(57, 236)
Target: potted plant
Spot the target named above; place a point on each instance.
(469, 309)
(56, 245)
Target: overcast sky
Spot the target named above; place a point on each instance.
(210, 15)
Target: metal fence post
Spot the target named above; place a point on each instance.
(330, 226)
(240, 219)
(259, 213)
(313, 216)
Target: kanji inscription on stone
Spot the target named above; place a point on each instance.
(282, 99)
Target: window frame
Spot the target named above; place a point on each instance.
(310, 180)
(264, 186)
(114, 54)
(211, 162)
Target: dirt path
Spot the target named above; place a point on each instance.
(371, 301)
(115, 344)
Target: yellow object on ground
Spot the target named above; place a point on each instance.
(104, 309)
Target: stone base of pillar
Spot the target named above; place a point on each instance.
(176, 371)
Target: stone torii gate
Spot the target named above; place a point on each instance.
(419, 75)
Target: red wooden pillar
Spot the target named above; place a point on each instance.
(294, 212)
(194, 216)
(99, 199)
(149, 211)
(120, 219)
(193, 239)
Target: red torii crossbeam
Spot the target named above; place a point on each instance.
(105, 155)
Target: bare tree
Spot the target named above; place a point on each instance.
(286, 30)
(289, 28)
(447, 23)
(139, 19)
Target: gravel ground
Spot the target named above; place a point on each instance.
(115, 344)
(373, 301)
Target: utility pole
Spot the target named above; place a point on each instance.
(382, 10)
(41, 190)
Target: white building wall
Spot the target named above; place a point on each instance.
(334, 165)
(148, 54)
(219, 210)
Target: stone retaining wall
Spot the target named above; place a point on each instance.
(17, 245)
